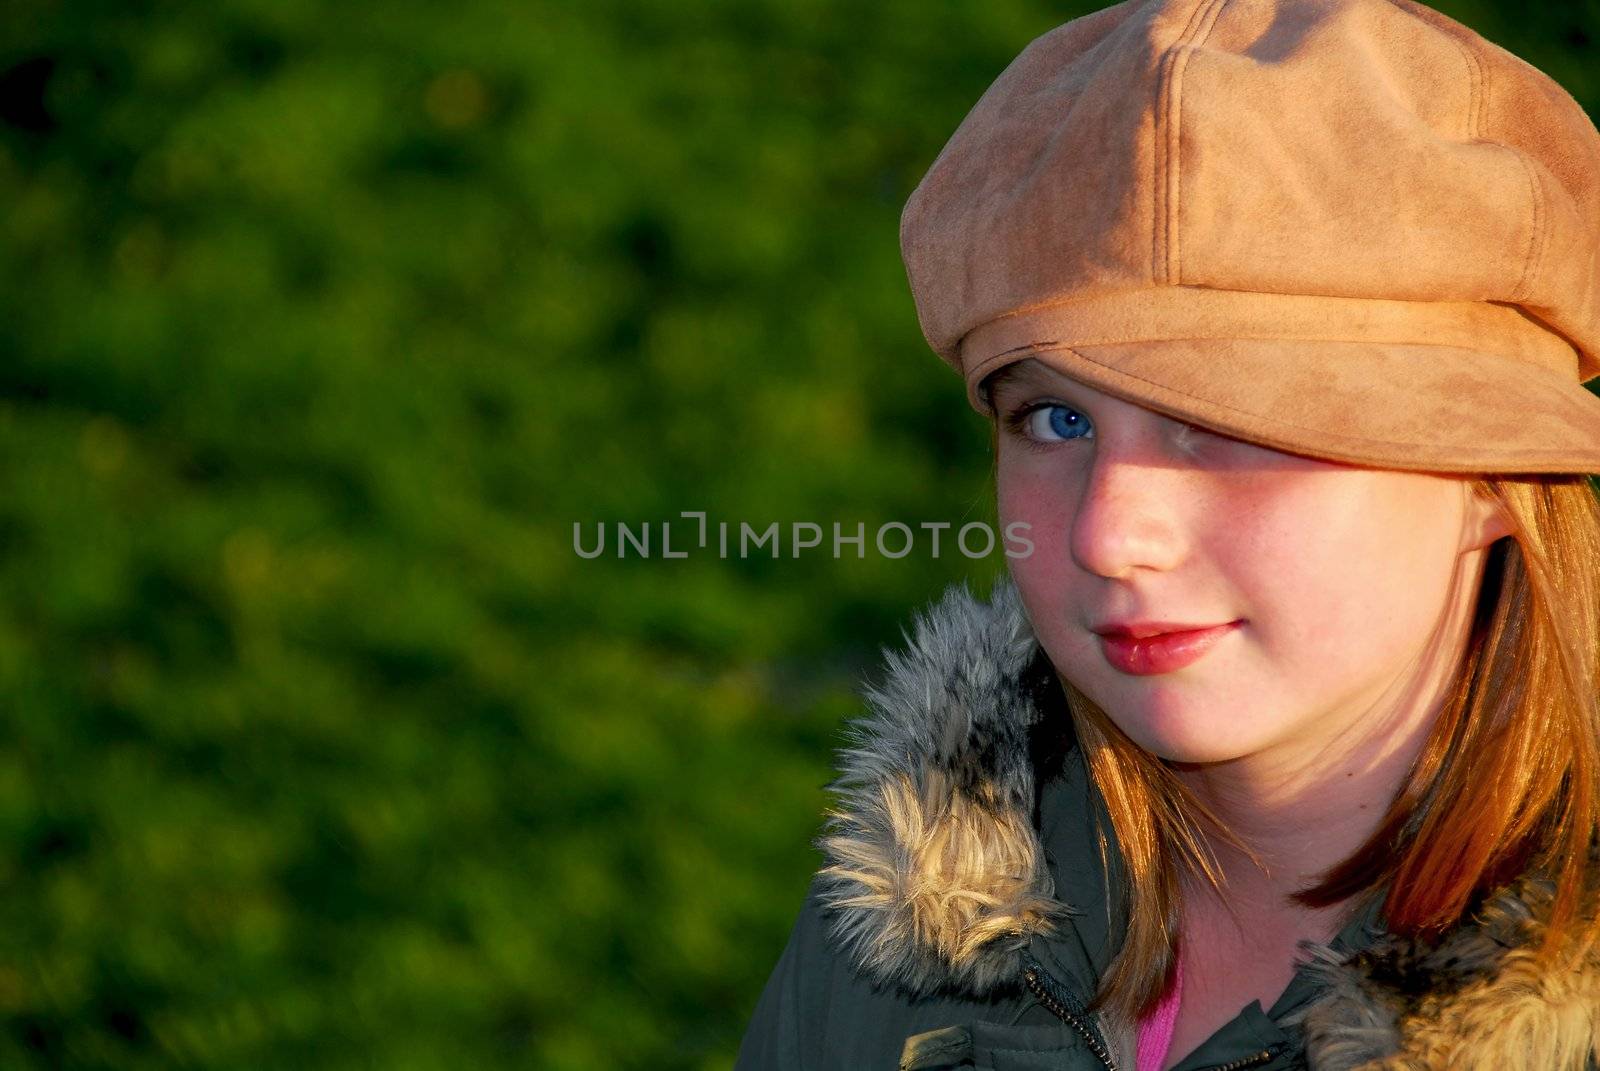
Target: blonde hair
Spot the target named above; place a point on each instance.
(1506, 782)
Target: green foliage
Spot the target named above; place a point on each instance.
(322, 748)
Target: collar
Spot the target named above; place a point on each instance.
(937, 879)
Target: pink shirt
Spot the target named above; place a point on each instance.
(1155, 1029)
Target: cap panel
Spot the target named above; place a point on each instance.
(1385, 199)
(1044, 187)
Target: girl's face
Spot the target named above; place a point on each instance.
(1333, 577)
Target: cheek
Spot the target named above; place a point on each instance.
(1040, 501)
(1337, 590)
(1051, 585)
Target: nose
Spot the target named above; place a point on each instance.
(1130, 516)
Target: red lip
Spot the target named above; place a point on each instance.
(1164, 653)
(1140, 629)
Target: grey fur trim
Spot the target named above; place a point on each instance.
(1351, 1024)
(1475, 999)
(934, 868)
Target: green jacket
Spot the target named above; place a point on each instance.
(988, 960)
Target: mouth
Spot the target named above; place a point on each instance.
(1162, 651)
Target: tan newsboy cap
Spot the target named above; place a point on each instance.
(1350, 229)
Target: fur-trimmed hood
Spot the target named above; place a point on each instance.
(937, 878)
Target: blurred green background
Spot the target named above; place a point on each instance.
(323, 325)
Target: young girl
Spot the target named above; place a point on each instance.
(1281, 748)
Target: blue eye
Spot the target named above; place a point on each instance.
(1052, 422)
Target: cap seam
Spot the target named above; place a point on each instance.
(1474, 67)
(1208, 23)
(1478, 91)
(1540, 228)
(1162, 262)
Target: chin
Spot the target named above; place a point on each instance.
(1191, 752)
(1187, 743)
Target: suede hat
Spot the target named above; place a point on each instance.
(1350, 229)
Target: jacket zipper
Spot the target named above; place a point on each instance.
(1064, 1007)
(1265, 1056)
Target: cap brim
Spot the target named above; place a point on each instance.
(1391, 405)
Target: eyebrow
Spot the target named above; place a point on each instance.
(1013, 371)
(1020, 376)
